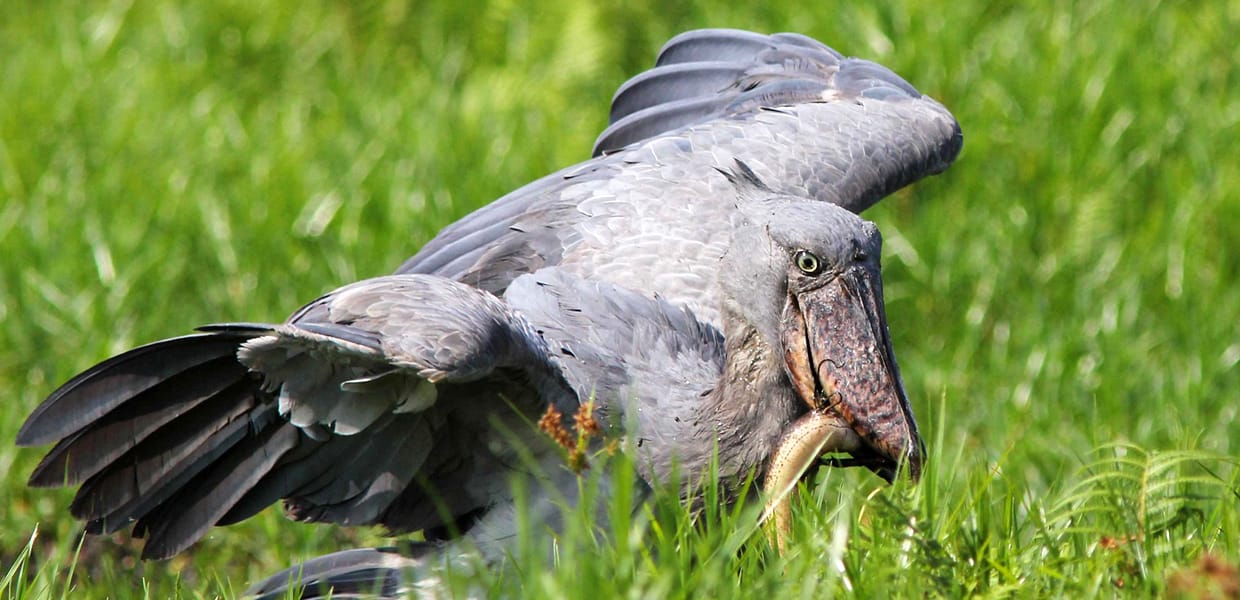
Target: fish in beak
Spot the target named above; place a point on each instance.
(837, 352)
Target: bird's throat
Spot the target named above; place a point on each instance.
(753, 404)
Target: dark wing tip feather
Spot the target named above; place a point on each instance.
(196, 508)
(103, 387)
(307, 461)
(95, 447)
(162, 464)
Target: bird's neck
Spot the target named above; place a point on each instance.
(753, 403)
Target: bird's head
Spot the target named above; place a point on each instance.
(806, 276)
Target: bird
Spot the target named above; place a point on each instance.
(370, 405)
(387, 401)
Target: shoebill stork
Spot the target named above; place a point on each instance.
(375, 405)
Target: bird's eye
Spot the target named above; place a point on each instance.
(808, 263)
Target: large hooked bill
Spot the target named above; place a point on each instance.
(837, 352)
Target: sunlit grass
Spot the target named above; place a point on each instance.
(1063, 300)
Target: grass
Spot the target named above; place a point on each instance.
(1064, 300)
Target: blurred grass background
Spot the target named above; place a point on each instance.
(1064, 301)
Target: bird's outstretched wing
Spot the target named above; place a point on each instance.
(374, 404)
(642, 361)
(650, 210)
(390, 401)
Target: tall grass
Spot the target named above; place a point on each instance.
(1063, 301)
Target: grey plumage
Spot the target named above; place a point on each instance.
(660, 375)
(809, 123)
(385, 401)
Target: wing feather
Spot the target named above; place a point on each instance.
(86, 453)
(87, 397)
(150, 474)
(200, 504)
(810, 122)
(335, 411)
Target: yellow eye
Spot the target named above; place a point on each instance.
(808, 263)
